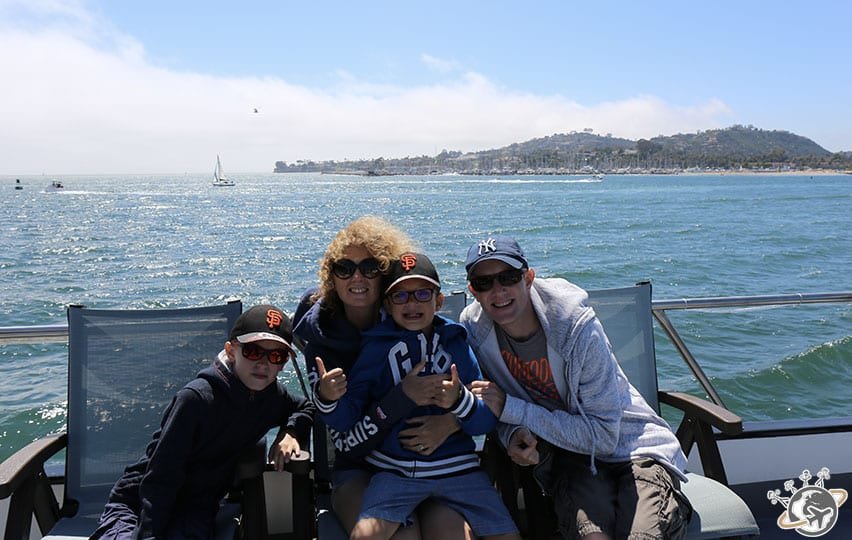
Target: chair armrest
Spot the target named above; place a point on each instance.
(704, 411)
(699, 418)
(28, 462)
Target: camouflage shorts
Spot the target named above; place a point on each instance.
(638, 499)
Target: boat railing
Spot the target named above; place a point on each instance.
(660, 307)
(58, 333)
(29, 335)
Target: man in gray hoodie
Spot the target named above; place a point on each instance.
(612, 465)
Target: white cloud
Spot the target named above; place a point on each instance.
(438, 64)
(74, 101)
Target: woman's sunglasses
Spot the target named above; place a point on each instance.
(254, 352)
(345, 269)
(420, 295)
(507, 278)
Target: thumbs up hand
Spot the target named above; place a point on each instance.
(450, 390)
(332, 384)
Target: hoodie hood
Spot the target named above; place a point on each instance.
(553, 299)
(221, 378)
(389, 330)
(320, 325)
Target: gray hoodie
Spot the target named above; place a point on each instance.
(604, 416)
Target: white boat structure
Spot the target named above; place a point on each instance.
(791, 477)
(54, 186)
(219, 178)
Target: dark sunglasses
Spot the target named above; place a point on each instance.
(254, 352)
(420, 295)
(507, 278)
(345, 269)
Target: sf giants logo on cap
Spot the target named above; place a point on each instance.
(409, 261)
(273, 319)
(487, 246)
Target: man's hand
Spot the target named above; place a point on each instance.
(426, 433)
(421, 390)
(448, 395)
(332, 384)
(522, 447)
(491, 394)
(282, 450)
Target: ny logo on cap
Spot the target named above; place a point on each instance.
(487, 246)
(409, 261)
(273, 319)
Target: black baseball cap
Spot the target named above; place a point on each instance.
(263, 321)
(410, 265)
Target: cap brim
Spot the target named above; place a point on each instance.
(260, 336)
(511, 261)
(403, 278)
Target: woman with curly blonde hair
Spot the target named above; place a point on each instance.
(329, 320)
(382, 242)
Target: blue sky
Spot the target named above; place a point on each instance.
(96, 87)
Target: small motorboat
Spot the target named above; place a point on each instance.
(56, 185)
(18, 184)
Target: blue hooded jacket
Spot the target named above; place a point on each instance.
(326, 333)
(387, 355)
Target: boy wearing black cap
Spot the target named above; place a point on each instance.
(414, 338)
(175, 489)
(611, 463)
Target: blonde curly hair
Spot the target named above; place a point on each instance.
(384, 242)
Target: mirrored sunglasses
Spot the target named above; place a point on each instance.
(345, 269)
(507, 278)
(420, 295)
(254, 352)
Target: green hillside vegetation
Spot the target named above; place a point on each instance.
(734, 148)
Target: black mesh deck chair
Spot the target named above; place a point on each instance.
(628, 322)
(124, 366)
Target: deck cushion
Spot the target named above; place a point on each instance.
(717, 511)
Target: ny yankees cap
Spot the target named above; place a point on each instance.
(410, 265)
(263, 322)
(501, 248)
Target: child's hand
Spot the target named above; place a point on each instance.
(421, 389)
(282, 450)
(332, 384)
(450, 390)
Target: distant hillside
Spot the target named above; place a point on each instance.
(742, 142)
(736, 147)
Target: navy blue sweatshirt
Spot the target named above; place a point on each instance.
(189, 465)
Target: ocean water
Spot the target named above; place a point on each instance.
(170, 241)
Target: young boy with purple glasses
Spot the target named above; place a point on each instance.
(415, 339)
(175, 489)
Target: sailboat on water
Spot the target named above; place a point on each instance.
(219, 178)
